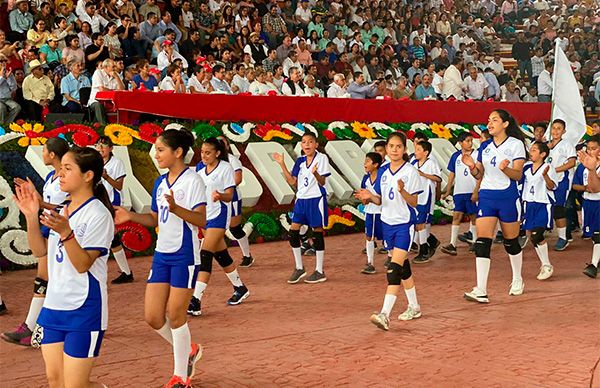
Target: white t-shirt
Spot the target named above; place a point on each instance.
(308, 187)
(464, 182)
(534, 185)
(116, 170)
(559, 155)
(587, 195)
(236, 164)
(219, 179)
(52, 193)
(429, 166)
(394, 209)
(366, 183)
(198, 87)
(495, 184)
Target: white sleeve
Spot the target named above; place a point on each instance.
(235, 162)
(323, 166)
(228, 179)
(118, 169)
(414, 185)
(553, 175)
(520, 150)
(432, 168)
(197, 192)
(97, 233)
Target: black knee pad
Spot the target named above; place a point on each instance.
(238, 232)
(206, 259)
(406, 272)
(512, 246)
(116, 242)
(318, 241)
(223, 258)
(295, 238)
(596, 237)
(537, 236)
(560, 212)
(394, 274)
(483, 247)
(40, 286)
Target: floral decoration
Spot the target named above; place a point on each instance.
(236, 133)
(268, 131)
(382, 130)
(355, 211)
(120, 134)
(441, 131)
(205, 131)
(135, 237)
(31, 133)
(149, 132)
(15, 247)
(336, 216)
(265, 225)
(363, 130)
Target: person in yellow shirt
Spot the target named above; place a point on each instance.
(38, 91)
(38, 34)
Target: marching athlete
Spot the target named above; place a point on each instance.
(373, 226)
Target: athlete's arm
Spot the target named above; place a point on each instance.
(116, 183)
(549, 182)
(567, 166)
(516, 172)
(225, 196)
(291, 180)
(195, 217)
(237, 177)
(431, 177)
(366, 197)
(81, 259)
(149, 220)
(593, 185)
(449, 185)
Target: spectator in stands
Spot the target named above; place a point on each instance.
(453, 82)
(38, 91)
(72, 51)
(544, 83)
(283, 50)
(414, 69)
(425, 91)
(62, 30)
(259, 87)
(37, 35)
(20, 21)
(403, 91)
(95, 53)
(493, 90)
(71, 85)
(521, 51)
(360, 89)
(475, 85)
(143, 79)
(257, 50)
(168, 55)
(303, 14)
(531, 95)
(149, 30)
(104, 79)
(338, 88)
(291, 61)
(93, 17)
(9, 108)
(218, 80)
(310, 88)
(50, 54)
(239, 83)
(166, 22)
(511, 93)
(293, 86)
(173, 81)
(274, 23)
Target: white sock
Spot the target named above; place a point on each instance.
(298, 257)
(423, 236)
(454, 234)
(199, 290)
(596, 255)
(319, 261)
(516, 262)
(483, 269)
(0, 299)
(428, 229)
(542, 251)
(34, 311)
(370, 251)
(182, 346)
(473, 230)
(234, 278)
(416, 238)
(562, 232)
(388, 304)
(165, 332)
(411, 295)
(244, 245)
(122, 261)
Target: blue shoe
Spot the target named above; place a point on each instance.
(561, 244)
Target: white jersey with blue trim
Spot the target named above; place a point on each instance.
(587, 195)
(429, 166)
(236, 164)
(494, 181)
(115, 170)
(559, 155)
(178, 238)
(394, 209)
(367, 184)
(52, 193)
(78, 301)
(307, 184)
(534, 184)
(464, 182)
(219, 179)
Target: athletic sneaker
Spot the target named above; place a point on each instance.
(523, 241)
(123, 278)
(382, 251)
(21, 335)
(466, 237)
(194, 357)
(434, 243)
(477, 296)
(586, 236)
(195, 307)
(545, 272)
(369, 269)
(177, 382)
(591, 270)
(381, 321)
(307, 249)
(387, 262)
(409, 314)
(449, 249)
(420, 259)
(499, 238)
(3, 309)
(296, 276)
(414, 247)
(247, 261)
(561, 244)
(239, 294)
(517, 287)
(315, 277)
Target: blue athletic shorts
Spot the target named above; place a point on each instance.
(373, 226)
(463, 204)
(537, 215)
(311, 212)
(219, 222)
(398, 236)
(177, 275)
(423, 214)
(561, 192)
(591, 216)
(78, 344)
(506, 210)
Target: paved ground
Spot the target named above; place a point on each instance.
(320, 335)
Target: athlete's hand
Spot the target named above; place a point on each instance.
(467, 159)
(362, 195)
(545, 173)
(26, 183)
(587, 160)
(27, 201)
(314, 169)
(279, 158)
(504, 164)
(445, 195)
(216, 196)
(401, 185)
(171, 201)
(104, 174)
(57, 222)
(475, 197)
(121, 215)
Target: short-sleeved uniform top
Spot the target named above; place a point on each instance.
(52, 193)
(429, 166)
(235, 163)
(587, 195)
(219, 179)
(78, 301)
(464, 182)
(177, 242)
(367, 184)
(308, 187)
(534, 184)
(116, 170)
(559, 155)
(394, 209)
(495, 184)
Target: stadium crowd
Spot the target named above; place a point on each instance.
(55, 56)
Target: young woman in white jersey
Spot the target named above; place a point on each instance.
(235, 226)
(462, 186)
(309, 175)
(373, 225)
(178, 209)
(113, 179)
(218, 177)
(499, 165)
(52, 196)
(74, 317)
(539, 181)
(397, 188)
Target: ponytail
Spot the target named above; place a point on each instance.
(218, 146)
(100, 192)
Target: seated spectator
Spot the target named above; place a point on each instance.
(304, 55)
(104, 79)
(475, 85)
(403, 91)
(38, 91)
(493, 85)
(173, 80)
(168, 55)
(511, 94)
(277, 77)
(148, 7)
(257, 50)
(218, 81)
(85, 35)
(425, 91)
(338, 88)
(20, 21)
(93, 17)
(270, 62)
(143, 77)
(359, 89)
(531, 95)
(453, 82)
(199, 83)
(71, 85)
(50, 53)
(291, 61)
(72, 52)
(111, 40)
(284, 49)
(166, 23)
(9, 108)
(294, 85)
(414, 69)
(310, 88)
(239, 83)
(38, 35)
(259, 87)
(62, 30)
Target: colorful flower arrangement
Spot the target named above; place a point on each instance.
(336, 216)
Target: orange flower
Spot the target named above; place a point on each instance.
(31, 134)
(363, 130)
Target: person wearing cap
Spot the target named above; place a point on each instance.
(50, 53)
(20, 21)
(169, 35)
(104, 79)
(70, 86)
(256, 49)
(38, 91)
(9, 108)
(168, 55)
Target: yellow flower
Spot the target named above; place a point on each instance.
(30, 132)
(588, 130)
(335, 219)
(120, 134)
(440, 131)
(363, 130)
(276, 133)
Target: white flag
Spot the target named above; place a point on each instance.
(566, 100)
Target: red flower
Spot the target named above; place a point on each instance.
(20, 122)
(96, 125)
(165, 122)
(410, 134)
(271, 93)
(135, 237)
(149, 132)
(347, 215)
(261, 130)
(83, 135)
(212, 123)
(329, 135)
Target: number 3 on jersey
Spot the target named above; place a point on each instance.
(164, 214)
(305, 181)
